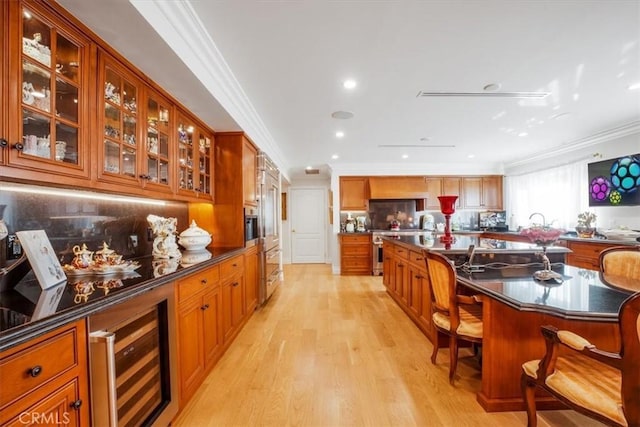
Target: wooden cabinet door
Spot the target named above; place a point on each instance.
(415, 282)
(48, 86)
(353, 193)
(249, 173)
(387, 272)
(401, 279)
(252, 278)
(237, 301)
(225, 316)
(4, 95)
(212, 336)
(434, 189)
(158, 155)
(118, 123)
(451, 186)
(195, 158)
(191, 355)
(472, 192)
(424, 316)
(492, 192)
(61, 407)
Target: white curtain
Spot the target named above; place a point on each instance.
(559, 193)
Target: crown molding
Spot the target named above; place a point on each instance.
(181, 28)
(597, 138)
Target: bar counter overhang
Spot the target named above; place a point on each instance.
(515, 306)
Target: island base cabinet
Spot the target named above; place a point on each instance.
(511, 338)
(45, 380)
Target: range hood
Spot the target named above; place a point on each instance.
(397, 187)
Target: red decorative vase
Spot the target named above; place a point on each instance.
(447, 207)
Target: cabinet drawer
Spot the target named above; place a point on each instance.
(232, 267)
(582, 262)
(416, 258)
(401, 252)
(356, 239)
(34, 366)
(585, 249)
(356, 250)
(352, 261)
(198, 282)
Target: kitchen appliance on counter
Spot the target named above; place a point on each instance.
(493, 221)
(271, 255)
(428, 222)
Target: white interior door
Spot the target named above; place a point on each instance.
(308, 225)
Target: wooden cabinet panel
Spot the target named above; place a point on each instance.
(249, 173)
(356, 254)
(354, 194)
(397, 187)
(251, 278)
(4, 95)
(195, 158)
(586, 254)
(233, 296)
(158, 159)
(415, 281)
(434, 189)
(191, 354)
(48, 377)
(482, 192)
(198, 323)
(212, 336)
(452, 186)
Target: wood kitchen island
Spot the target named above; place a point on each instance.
(515, 306)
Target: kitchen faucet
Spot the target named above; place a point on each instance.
(544, 222)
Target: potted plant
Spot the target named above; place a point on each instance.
(585, 226)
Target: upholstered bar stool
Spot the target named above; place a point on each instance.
(599, 384)
(458, 316)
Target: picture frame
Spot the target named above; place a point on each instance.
(41, 256)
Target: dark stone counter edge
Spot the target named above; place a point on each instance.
(413, 246)
(28, 331)
(556, 312)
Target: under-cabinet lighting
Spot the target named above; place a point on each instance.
(26, 14)
(80, 195)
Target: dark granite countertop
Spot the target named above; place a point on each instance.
(581, 295)
(27, 311)
(462, 243)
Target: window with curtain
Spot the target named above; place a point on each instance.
(559, 193)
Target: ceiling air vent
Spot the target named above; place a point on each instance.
(534, 95)
(312, 171)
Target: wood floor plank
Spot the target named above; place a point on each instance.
(330, 350)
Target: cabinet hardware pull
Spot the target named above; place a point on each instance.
(234, 284)
(3, 142)
(77, 404)
(419, 259)
(204, 307)
(18, 146)
(35, 371)
(235, 265)
(203, 281)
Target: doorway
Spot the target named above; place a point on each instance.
(308, 225)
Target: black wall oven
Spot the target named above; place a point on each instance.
(132, 358)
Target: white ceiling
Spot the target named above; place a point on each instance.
(279, 66)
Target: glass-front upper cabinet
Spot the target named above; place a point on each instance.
(195, 150)
(4, 131)
(51, 67)
(118, 124)
(158, 162)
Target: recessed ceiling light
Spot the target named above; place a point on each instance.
(492, 87)
(405, 156)
(342, 115)
(523, 134)
(634, 86)
(339, 134)
(349, 84)
(471, 156)
(309, 168)
(335, 156)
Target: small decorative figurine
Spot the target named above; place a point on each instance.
(164, 244)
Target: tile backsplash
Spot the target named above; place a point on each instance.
(69, 220)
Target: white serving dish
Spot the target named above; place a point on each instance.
(621, 234)
(194, 238)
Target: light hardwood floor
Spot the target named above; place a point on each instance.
(337, 351)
